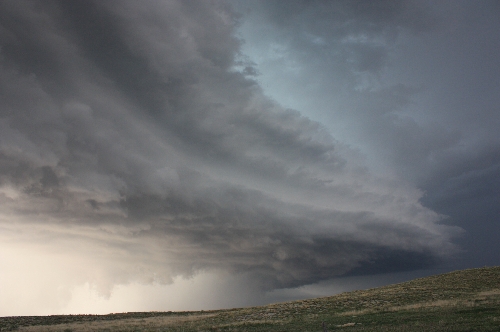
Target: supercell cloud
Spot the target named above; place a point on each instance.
(137, 142)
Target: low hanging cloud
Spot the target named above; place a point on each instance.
(129, 137)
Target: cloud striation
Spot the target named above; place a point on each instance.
(129, 136)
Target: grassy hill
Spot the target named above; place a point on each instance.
(467, 300)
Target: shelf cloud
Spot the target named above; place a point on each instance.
(138, 143)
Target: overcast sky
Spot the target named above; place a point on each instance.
(187, 155)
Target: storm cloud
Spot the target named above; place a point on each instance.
(141, 139)
(424, 109)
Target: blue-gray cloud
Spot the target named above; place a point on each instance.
(414, 85)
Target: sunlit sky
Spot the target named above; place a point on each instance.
(189, 155)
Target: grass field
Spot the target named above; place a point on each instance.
(467, 300)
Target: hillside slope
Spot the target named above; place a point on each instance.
(467, 300)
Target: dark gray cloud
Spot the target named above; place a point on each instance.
(127, 133)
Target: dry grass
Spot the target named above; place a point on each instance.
(119, 325)
(485, 297)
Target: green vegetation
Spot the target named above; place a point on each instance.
(466, 300)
